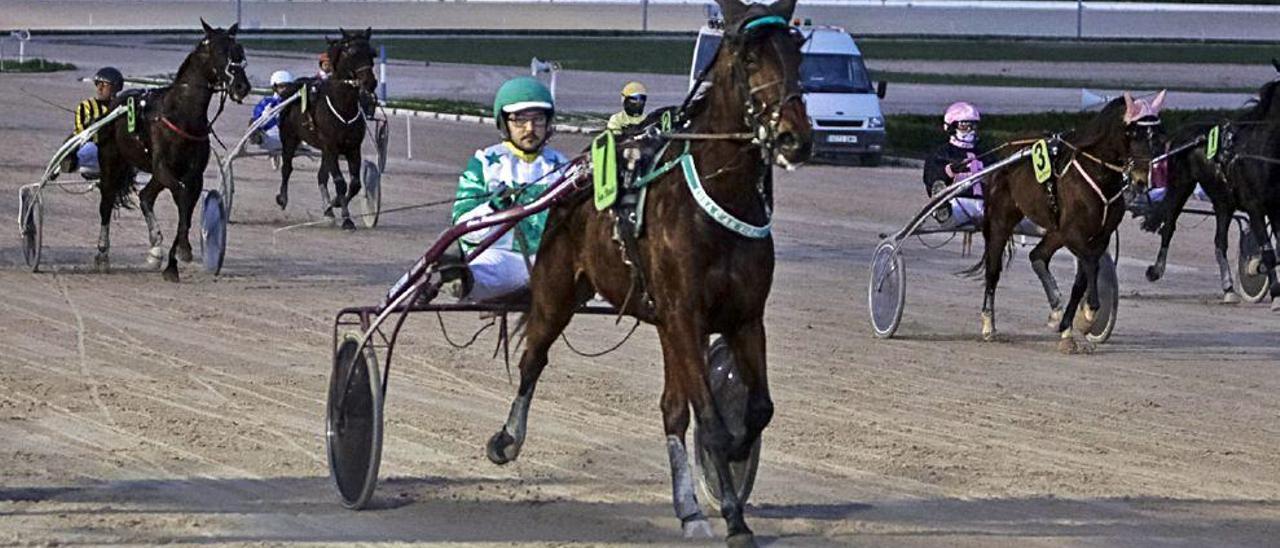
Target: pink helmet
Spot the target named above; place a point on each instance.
(960, 112)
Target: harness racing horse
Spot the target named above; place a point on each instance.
(703, 277)
(1185, 170)
(169, 138)
(1100, 162)
(1243, 174)
(331, 119)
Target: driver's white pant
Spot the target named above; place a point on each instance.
(497, 272)
(271, 139)
(87, 157)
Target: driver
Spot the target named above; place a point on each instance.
(513, 172)
(958, 158)
(633, 98)
(107, 83)
(268, 136)
(326, 67)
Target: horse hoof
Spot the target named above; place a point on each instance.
(1085, 347)
(348, 225)
(1230, 297)
(155, 257)
(184, 254)
(1275, 304)
(501, 448)
(282, 200)
(102, 263)
(1068, 346)
(171, 275)
(988, 327)
(697, 528)
(1055, 318)
(328, 212)
(1153, 274)
(741, 540)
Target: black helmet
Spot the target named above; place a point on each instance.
(111, 76)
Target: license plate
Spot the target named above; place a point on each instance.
(842, 139)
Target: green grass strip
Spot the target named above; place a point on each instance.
(34, 65)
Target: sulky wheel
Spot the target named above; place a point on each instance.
(369, 202)
(731, 400)
(887, 290)
(353, 422)
(213, 232)
(1253, 283)
(1109, 298)
(31, 210)
(381, 136)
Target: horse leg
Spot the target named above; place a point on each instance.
(1223, 226)
(684, 355)
(1176, 200)
(1067, 344)
(147, 203)
(192, 189)
(675, 422)
(553, 302)
(288, 148)
(353, 168)
(1269, 251)
(1040, 256)
(106, 206)
(322, 177)
(1002, 217)
(179, 191)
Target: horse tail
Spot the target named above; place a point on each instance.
(109, 159)
(975, 271)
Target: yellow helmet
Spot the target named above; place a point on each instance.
(633, 89)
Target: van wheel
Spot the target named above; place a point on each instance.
(871, 160)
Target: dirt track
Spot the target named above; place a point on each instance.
(138, 411)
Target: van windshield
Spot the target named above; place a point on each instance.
(834, 73)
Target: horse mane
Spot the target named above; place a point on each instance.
(1101, 126)
(1258, 109)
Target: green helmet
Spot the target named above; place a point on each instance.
(519, 94)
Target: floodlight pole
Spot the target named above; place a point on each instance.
(237, 12)
(644, 21)
(1079, 19)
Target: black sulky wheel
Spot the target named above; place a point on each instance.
(353, 422)
(32, 217)
(213, 232)
(887, 290)
(1109, 297)
(731, 400)
(369, 202)
(1253, 284)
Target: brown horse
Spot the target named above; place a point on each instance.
(333, 121)
(701, 277)
(170, 140)
(1091, 173)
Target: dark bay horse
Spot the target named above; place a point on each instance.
(333, 122)
(170, 140)
(1095, 167)
(702, 277)
(1243, 175)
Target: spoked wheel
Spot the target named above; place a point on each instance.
(1253, 283)
(887, 290)
(31, 210)
(731, 399)
(213, 232)
(369, 202)
(353, 422)
(381, 136)
(1109, 298)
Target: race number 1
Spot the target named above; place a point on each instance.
(1211, 147)
(1041, 162)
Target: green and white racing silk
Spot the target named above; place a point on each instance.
(494, 169)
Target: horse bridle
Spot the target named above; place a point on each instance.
(764, 122)
(353, 82)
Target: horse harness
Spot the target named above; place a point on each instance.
(643, 151)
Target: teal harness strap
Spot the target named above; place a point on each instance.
(713, 209)
(663, 169)
(765, 21)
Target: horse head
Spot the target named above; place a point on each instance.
(223, 61)
(761, 56)
(353, 59)
(1144, 137)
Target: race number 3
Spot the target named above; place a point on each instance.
(1040, 161)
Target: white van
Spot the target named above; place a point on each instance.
(842, 101)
